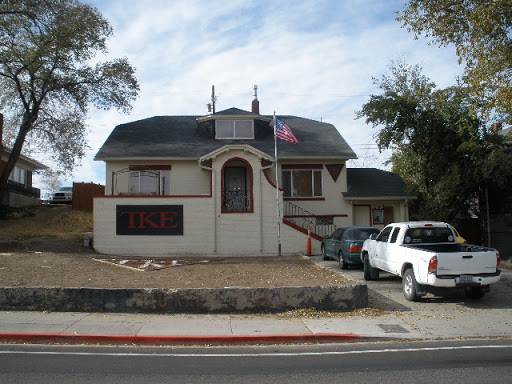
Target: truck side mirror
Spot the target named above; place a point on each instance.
(373, 236)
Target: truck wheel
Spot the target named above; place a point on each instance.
(409, 285)
(369, 273)
(341, 259)
(475, 293)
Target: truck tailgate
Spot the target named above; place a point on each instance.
(466, 263)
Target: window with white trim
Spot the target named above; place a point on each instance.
(302, 182)
(234, 129)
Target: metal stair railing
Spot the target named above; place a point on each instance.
(321, 225)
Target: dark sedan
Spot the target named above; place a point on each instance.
(344, 244)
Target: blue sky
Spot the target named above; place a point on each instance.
(309, 58)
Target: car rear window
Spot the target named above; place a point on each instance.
(360, 234)
(428, 235)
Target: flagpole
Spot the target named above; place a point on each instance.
(277, 189)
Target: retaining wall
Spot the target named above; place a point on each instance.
(225, 300)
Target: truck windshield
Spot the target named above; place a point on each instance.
(428, 235)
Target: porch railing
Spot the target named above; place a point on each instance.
(321, 225)
(237, 200)
(22, 189)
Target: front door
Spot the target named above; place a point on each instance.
(235, 189)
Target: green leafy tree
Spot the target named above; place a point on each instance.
(444, 153)
(481, 31)
(49, 75)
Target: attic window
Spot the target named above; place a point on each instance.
(234, 129)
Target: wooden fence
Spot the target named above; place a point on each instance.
(84, 193)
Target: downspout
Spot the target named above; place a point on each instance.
(214, 196)
(262, 169)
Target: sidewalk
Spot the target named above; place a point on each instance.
(149, 329)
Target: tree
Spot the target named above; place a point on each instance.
(481, 31)
(444, 153)
(49, 76)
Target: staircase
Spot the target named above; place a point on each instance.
(301, 219)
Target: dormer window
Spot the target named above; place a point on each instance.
(234, 129)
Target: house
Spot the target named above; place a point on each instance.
(206, 185)
(378, 197)
(21, 192)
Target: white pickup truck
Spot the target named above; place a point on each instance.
(427, 256)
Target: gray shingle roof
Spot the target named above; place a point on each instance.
(372, 182)
(184, 136)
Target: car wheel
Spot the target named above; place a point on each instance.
(369, 273)
(410, 286)
(475, 293)
(324, 253)
(341, 259)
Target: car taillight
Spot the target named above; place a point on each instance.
(432, 265)
(355, 248)
(498, 261)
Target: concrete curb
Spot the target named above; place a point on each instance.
(223, 300)
(57, 338)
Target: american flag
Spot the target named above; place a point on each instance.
(284, 132)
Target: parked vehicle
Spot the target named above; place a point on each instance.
(427, 257)
(345, 244)
(63, 195)
(459, 238)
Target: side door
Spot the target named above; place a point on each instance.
(381, 245)
(394, 256)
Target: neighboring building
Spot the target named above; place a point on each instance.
(206, 185)
(21, 193)
(377, 197)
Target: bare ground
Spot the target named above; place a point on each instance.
(46, 250)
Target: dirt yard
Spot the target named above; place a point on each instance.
(46, 250)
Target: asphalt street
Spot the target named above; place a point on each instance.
(454, 361)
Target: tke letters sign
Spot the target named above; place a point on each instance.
(152, 220)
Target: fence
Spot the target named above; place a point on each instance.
(84, 193)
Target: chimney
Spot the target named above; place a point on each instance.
(255, 102)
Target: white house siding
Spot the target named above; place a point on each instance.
(207, 230)
(198, 236)
(248, 233)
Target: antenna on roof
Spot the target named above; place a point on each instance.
(214, 99)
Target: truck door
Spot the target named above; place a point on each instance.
(393, 255)
(381, 244)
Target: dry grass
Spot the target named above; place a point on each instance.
(47, 220)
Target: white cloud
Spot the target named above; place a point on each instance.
(309, 58)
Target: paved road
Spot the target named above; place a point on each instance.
(455, 361)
